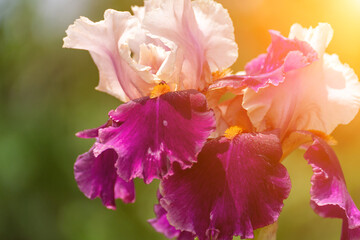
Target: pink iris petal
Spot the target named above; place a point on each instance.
(236, 187)
(283, 55)
(97, 177)
(329, 195)
(153, 133)
(316, 95)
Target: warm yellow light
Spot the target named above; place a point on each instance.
(356, 2)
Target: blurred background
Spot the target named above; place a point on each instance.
(47, 94)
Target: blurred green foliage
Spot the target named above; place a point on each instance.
(47, 94)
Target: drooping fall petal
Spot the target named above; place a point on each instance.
(153, 133)
(94, 132)
(97, 177)
(162, 225)
(236, 187)
(329, 194)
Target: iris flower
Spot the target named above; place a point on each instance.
(219, 162)
(158, 69)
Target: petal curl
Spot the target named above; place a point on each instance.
(237, 186)
(320, 96)
(162, 225)
(107, 43)
(283, 55)
(217, 28)
(153, 133)
(97, 177)
(201, 30)
(94, 132)
(329, 195)
(318, 37)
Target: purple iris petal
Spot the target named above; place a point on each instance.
(185, 236)
(237, 186)
(283, 55)
(94, 132)
(329, 195)
(162, 225)
(153, 133)
(97, 177)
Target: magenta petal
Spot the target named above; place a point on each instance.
(237, 186)
(185, 236)
(162, 225)
(96, 177)
(329, 195)
(349, 233)
(124, 190)
(153, 133)
(94, 132)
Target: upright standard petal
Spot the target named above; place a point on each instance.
(238, 185)
(107, 43)
(96, 177)
(329, 195)
(319, 96)
(153, 133)
(319, 37)
(202, 31)
(215, 24)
